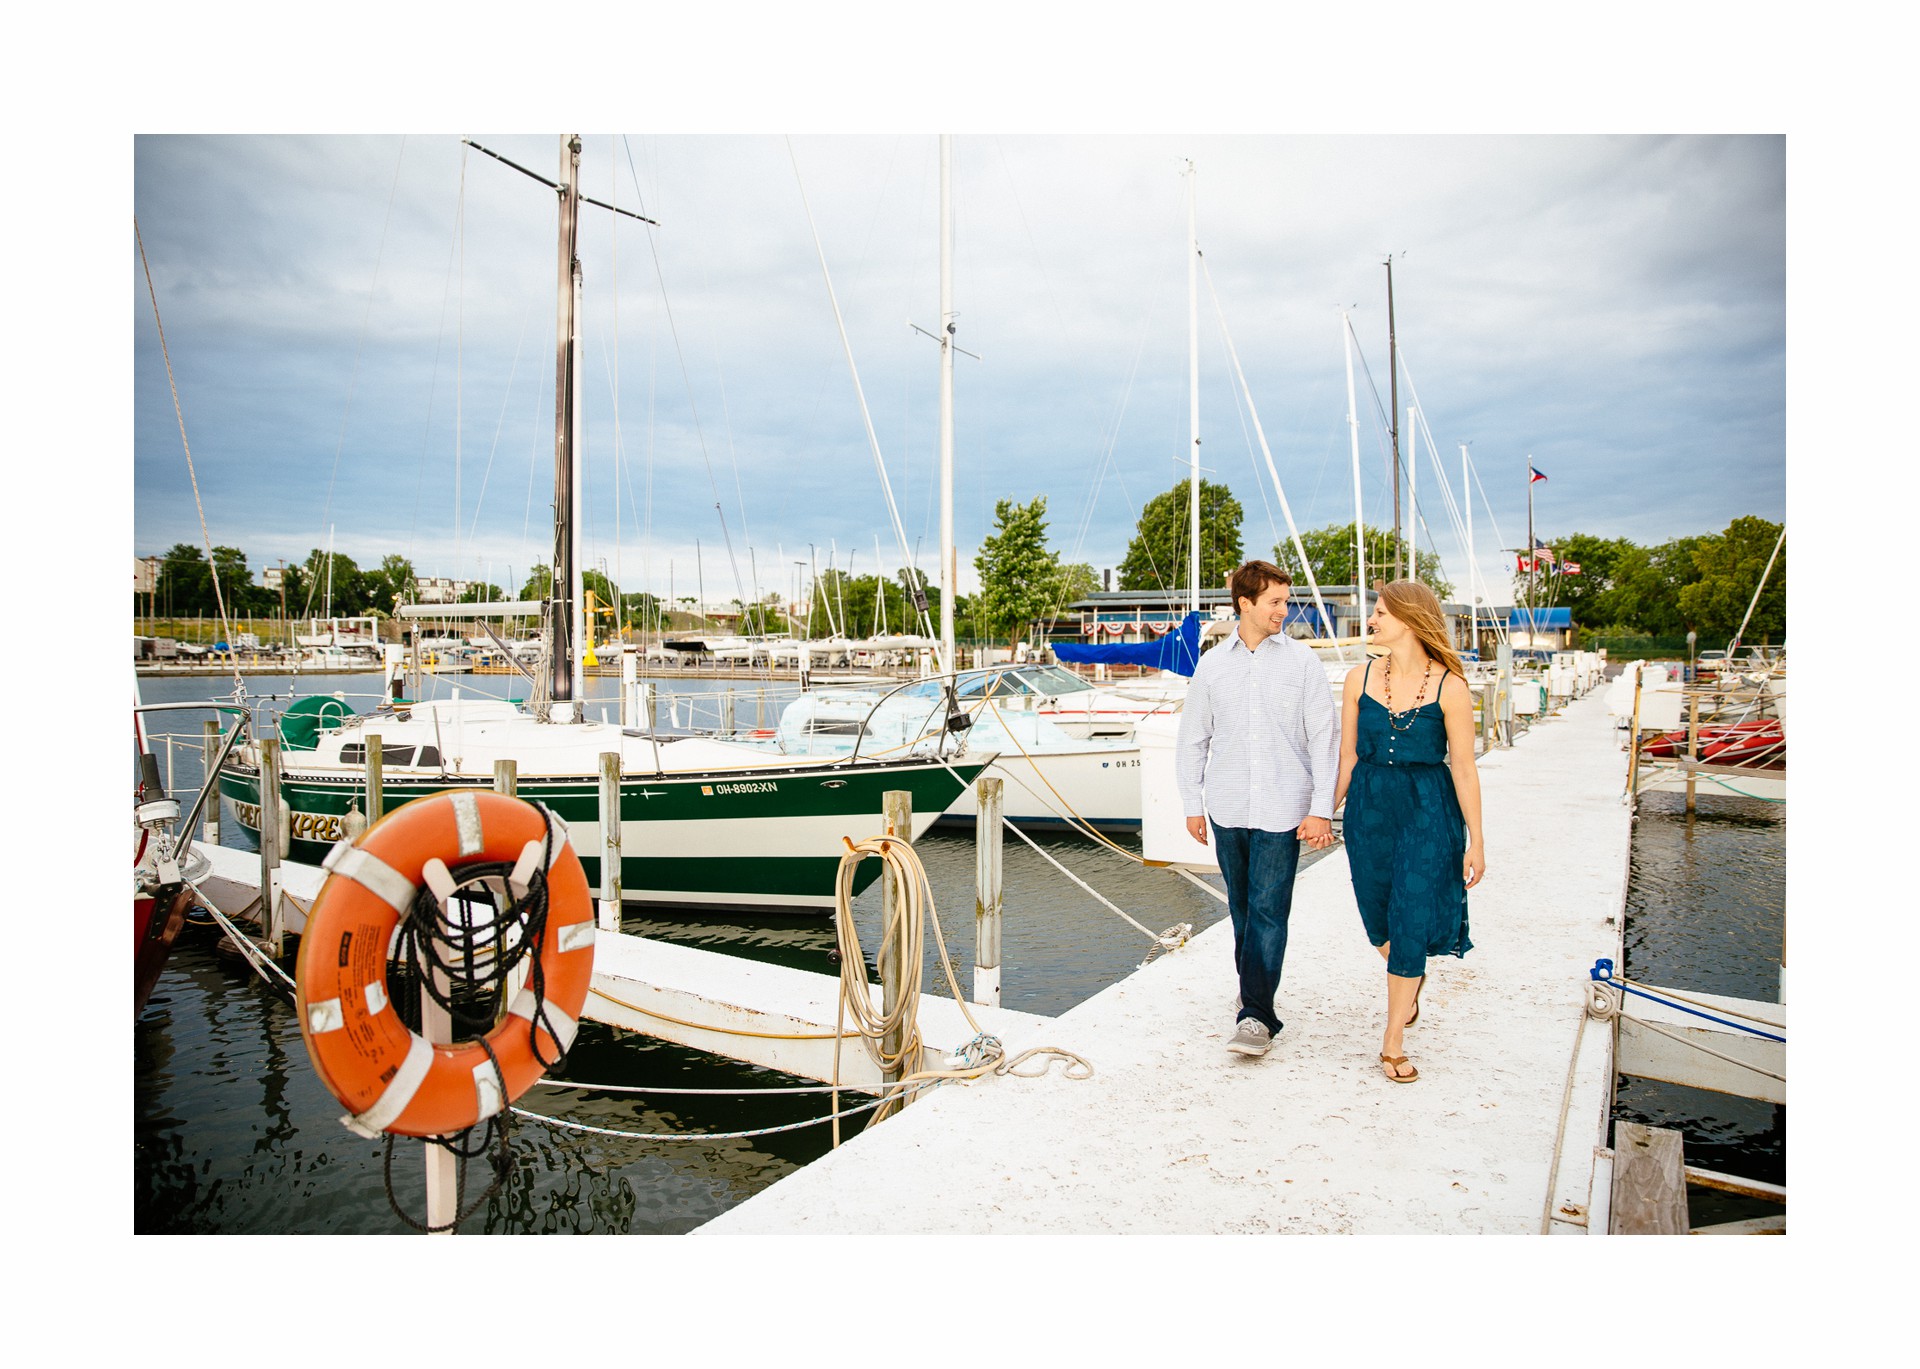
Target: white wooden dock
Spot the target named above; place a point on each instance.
(1175, 1135)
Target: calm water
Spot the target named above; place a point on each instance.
(1706, 910)
(234, 1132)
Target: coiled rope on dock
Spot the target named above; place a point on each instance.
(904, 930)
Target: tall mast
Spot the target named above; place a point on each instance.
(949, 567)
(1193, 401)
(1393, 415)
(565, 628)
(1473, 612)
(1359, 523)
(1413, 496)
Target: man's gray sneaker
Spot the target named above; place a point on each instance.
(1252, 1038)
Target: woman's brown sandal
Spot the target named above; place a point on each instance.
(1393, 1064)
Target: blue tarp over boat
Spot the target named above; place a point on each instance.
(1178, 651)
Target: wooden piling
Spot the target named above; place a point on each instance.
(726, 714)
(987, 891)
(210, 748)
(897, 807)
(1693, 742)
(506, 778)
(609, 841)
(1633, 739)
(376, 778)
(271, 836)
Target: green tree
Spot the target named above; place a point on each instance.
(539, 584)
(1647, 582)
(478, 592)
(1157, 557)
(1018, 574)
(391, 585)
(343, 589)
(1730, 567)
(1330, 553)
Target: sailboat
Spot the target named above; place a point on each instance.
(703, 822)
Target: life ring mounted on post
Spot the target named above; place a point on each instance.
(390, 1077)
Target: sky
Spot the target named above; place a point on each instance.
(361, 332)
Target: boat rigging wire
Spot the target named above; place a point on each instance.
(213, 565)
(866, 417)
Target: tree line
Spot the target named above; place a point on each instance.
(1699, 583)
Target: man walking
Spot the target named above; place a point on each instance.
(1259, 755)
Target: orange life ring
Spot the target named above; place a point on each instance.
(389, 1077)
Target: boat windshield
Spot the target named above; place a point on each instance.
(1054, 679)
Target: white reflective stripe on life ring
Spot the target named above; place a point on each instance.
(375, 876)
(325, 1016)
(394, 1099)
(563, 1027)
(466, 816)
(486, 1090)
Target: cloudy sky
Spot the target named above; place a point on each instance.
(361, 330)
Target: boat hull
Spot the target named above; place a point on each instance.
(719, 841)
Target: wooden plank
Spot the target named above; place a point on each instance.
(1649, 1055)
(1649, 1182)
(1733, 1183)
(1753, 1226)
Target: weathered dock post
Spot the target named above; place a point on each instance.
(609, 841)
(1633, 739)
(629, 691)
(1693, 741)
(987, 896)
(897, 807)
(726, 713)
(272, 834)
(376, 778)
(760, 706)
(506, 777)
(210, 748)
(650, 705)
(1503, 705)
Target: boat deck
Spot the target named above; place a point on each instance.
(1173, 1134)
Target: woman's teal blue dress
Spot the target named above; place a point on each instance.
(1406, 839)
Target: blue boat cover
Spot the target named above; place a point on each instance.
(1178, 651)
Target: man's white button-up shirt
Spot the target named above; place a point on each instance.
(1259, 742)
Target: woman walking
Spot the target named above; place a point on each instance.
(1412, 793)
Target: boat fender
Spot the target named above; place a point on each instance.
(390, 1078)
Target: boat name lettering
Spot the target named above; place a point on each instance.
(326, 827)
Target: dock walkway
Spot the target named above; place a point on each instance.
(1174, 1134)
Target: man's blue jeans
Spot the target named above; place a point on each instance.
(1259, 867)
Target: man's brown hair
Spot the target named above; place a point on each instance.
(1251, 581)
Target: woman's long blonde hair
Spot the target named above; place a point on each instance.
(1419, 608)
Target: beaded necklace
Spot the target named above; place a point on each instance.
(1393, 718)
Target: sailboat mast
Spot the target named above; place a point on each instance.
(1413, 496)
(1393, 415)
(1359, 522)
(1473, 568)
(1193, 401)
(566, 678)
(949, 565)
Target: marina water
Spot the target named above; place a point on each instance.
(233, 1131)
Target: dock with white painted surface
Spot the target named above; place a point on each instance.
(1173, 1134)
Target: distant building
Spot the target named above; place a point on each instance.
(439, 589)
(1111, 616)
(274, 577)
(146, 573)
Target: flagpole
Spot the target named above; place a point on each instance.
(1533, 561)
